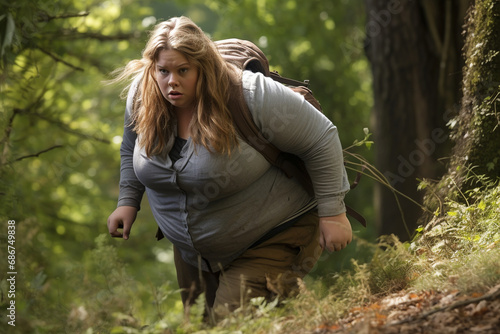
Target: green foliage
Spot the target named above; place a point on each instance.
(459, 248)
(314, 40)
(105, 290)
(390, 268)
(364, 141)
(60, 130)
(59, 138)
(471, 227)
(97, 294)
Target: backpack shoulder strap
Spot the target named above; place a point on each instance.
(248, 130)
(290, 164)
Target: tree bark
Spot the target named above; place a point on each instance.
(477, 130)
(414, 51)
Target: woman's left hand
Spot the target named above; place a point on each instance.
(335, 232)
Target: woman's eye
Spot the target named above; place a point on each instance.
(183, 70)
(162, 71)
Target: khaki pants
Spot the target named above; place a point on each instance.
(270, 269)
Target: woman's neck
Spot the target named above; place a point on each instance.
(184, 118)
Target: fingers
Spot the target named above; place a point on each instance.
(126, 230)
(322, 242)
(335, 247)
(328, 244)
(113, 226)
(334, 236)
(122, 218)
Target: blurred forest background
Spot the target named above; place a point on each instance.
(61, 127)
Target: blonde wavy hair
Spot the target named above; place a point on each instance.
(153, 116)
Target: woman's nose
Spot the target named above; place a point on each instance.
(172, 81)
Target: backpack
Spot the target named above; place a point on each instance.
(247, 56)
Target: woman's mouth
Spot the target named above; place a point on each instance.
(174, 94)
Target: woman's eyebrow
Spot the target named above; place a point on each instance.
(177, 66)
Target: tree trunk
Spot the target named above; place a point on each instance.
(477, 129)
(414, 50)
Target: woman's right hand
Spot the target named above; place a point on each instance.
(122, 217)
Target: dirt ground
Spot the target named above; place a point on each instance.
(426, 312)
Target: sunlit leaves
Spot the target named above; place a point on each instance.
(303, 40)
(59, 172)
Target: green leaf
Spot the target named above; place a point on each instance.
(422, 185)
(436, 213)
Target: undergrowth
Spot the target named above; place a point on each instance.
(458, 250)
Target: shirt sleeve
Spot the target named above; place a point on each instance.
(293, 125)
(131, 189)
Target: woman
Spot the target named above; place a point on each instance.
(249, 229)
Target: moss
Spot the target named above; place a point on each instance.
(476, 131)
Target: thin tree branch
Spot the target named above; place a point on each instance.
(38, 153)
(101, 37)
(68, 129)
(8, 128)
(380, 178)
(74, 34)
(46, 18)
(63, 126)
(5, 140)
(57, 59)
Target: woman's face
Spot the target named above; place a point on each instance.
(177, 79)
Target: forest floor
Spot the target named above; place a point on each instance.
(426, 312)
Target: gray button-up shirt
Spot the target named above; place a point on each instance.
(214, 206)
